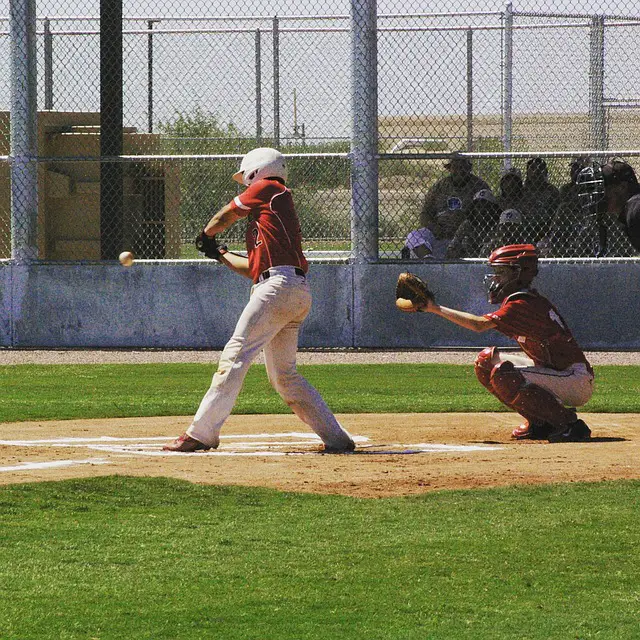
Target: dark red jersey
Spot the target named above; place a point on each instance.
(273, 234)
(539, 329)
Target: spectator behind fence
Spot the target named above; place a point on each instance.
(511, 190)
(541, 197)
(453, 193)
(568, 192)
(572, 231)
(584, 225)
(477, 227)
(622, 195)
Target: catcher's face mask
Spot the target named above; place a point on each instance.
(590, 183)
(504, 280)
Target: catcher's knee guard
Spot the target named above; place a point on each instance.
(506, 381)
(483, 366)
(529, 400)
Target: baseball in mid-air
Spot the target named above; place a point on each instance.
(126, 258)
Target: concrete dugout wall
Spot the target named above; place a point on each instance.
(196, 304)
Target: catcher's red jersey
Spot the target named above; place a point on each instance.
(539, 329)
(273, 234)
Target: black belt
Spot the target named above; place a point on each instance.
(267, 274)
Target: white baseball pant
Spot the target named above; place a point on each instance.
(270, 322)
(572, 386)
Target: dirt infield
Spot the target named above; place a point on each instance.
(397, 454)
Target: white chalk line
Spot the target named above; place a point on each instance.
(57, 464)
(255, 445)
(238, 436)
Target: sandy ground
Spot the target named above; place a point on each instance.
(397, 454)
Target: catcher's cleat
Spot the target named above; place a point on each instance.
(532, 431)
(186, 444)
(575, 432)
(348, 448)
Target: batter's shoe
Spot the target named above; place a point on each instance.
(348, 448)
(532, 431)
(186, 444)
(575, 432)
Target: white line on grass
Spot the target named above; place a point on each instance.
(27, 466)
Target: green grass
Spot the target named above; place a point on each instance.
(119, 557)
(155, 558)
(45, 392)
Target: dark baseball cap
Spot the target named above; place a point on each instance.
(537, 162)
(617, 171)
(459, 160)
(580, 161)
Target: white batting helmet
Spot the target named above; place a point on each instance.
(263, 162)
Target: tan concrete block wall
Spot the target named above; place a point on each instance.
(69, 192)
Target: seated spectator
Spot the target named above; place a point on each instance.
(426, 243)
(569, 190)
(542, 194)
(622, 197)
(571, 231)
(472, 234)
(511, 189)
(453, 193)
(541, 197)
(587, 231)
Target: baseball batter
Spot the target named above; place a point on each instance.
(551, 376)
(280, 301)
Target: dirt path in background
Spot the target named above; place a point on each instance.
(397, 454)
(308, 356)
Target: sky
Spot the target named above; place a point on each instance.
(420, 72)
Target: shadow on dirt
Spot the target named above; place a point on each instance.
(591, 440)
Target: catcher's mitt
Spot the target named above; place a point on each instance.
(412, 293)
(209, 246)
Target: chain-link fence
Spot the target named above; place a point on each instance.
(524, 92)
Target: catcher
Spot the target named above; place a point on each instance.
(550, 377)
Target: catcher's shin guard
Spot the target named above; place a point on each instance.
(529, 400)
(484, 364)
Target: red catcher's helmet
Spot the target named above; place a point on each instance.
(514, 254)
(521, 261)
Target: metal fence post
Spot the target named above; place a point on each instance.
(24, 144)
(48, 65)
(364, 142)
(596, 83)
(111, 120)
(258, 88)
(276, 82)
(507, 106)
(150, 76)
(469, 89)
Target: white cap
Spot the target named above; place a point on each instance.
(420, 242)
(485, 194)
(511, 216)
